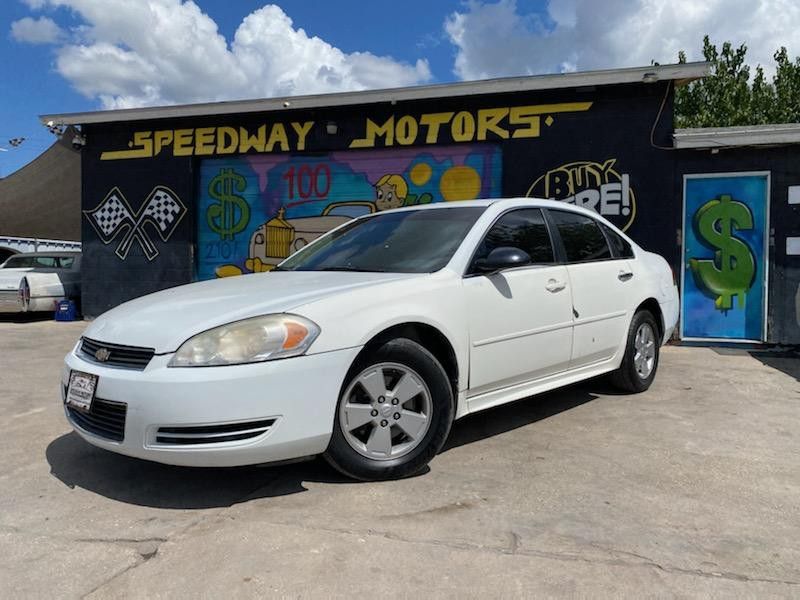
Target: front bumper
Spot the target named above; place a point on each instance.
(298, 394)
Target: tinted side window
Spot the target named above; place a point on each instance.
(46, 261)
(524, 229)
(619, 245)
(582, 237)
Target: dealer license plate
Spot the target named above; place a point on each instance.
(80, 391)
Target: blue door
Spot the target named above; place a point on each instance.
(724, 273)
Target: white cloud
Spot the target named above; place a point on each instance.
(154, 52)
(494, 39)
(36, 31)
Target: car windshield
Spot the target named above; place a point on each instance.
(413, 241)
(47, 262)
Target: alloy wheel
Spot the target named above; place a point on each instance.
(386, 411)
(644, 346)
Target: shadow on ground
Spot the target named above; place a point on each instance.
(508, 417)
(28, 317)
(786, 361)
(78, 464)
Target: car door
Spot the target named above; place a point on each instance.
(520, 319)
(601, 282)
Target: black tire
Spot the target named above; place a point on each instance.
(344, 458)
(627, 378)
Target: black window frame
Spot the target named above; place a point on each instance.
(553, 226)
(614, 254)
(555, 243)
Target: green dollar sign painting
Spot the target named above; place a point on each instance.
(231, 213)
(725, 236)
(731, 272)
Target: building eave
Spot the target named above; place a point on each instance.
(731, 137)
(680, 73)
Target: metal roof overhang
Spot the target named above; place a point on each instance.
(731, 137)
(681, 73)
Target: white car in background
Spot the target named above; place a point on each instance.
(365, 345)
(36, 281)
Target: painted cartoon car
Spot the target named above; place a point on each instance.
(35, 281)
(279, 237)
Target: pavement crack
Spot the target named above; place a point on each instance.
(122, 540)
(437, 510)
(514, 548)
(148, 548)
(513, 542)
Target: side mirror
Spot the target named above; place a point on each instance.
(505, 257)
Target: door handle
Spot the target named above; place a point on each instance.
(555, 286)
(625, 275)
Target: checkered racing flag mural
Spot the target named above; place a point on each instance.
(163, 210)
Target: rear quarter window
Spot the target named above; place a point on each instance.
(582, 237)
(619, 245)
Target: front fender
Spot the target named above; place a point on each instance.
(353, 319)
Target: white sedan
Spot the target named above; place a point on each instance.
(367, 344)
(36, 281)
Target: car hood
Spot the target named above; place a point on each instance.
(10, 278)
(166, 319)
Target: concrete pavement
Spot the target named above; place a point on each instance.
(688, 490)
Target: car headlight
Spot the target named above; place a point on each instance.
(248, 341)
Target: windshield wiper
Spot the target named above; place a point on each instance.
(353, 269)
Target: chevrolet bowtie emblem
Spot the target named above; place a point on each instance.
(102, 354)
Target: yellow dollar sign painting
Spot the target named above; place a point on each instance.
(231, 214)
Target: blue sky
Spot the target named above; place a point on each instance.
(80, 55)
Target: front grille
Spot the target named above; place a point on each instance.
(212, 434)
(105, 419)
(129, 357)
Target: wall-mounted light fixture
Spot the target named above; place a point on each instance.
(331, 127)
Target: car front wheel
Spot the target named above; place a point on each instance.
(394, 413)
(639, 365)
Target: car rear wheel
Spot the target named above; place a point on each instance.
(394, 413)
(639, 365)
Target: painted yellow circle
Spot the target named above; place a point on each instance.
(421, 173)
(460, 183)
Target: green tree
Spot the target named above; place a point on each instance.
(726, 97)
(786, 84)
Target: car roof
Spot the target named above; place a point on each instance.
(56, 253)
(500, 203)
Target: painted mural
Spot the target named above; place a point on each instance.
(256, 210)
(599, 186)
(724, 281)
(162, 210)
